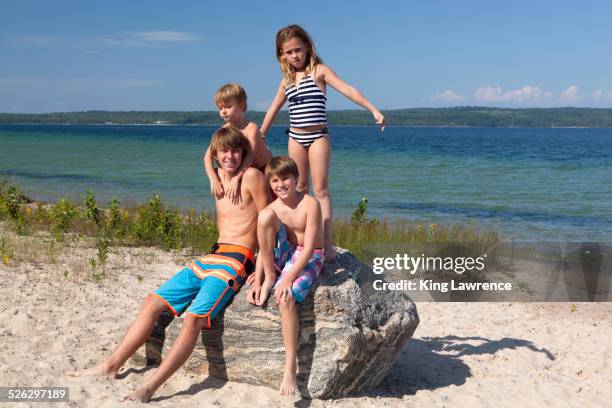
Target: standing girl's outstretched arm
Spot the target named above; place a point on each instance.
(277, 103)
(330, 77)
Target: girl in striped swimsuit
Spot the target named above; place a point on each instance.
(304, 86)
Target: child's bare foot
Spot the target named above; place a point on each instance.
(101, 370)
(253, 294)
(287, 387)
(330, 253)
(264, 294)
(142, 394)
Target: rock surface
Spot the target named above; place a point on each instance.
(349, 336)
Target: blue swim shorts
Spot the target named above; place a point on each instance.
(208, 283)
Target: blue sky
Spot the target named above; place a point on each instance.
(160, 55)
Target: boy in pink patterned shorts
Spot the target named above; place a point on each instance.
(290, 235)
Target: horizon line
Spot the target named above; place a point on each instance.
(329, 110)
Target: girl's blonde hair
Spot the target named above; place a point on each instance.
(312, 59)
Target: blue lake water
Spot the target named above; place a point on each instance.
(549, 185)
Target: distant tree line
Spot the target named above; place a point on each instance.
(472, 116)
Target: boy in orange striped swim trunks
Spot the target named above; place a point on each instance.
(207, 284)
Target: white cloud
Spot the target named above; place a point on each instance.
(598, 93)
(82, 83)
(166, 36)
(149, 38)
(133, 39)
(525, 94)
(570, 94)
(448, 96)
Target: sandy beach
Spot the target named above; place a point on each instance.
(56, 317)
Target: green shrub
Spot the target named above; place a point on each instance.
(158, 224)
(5, 252)
(61, 215)
(92, 212)
(359, 215)
(13, 201)
(102, 244)
(113, 215)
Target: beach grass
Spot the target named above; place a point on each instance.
(157, 223)
(154, 223)
(370, 238)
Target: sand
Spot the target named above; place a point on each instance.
(56, 317)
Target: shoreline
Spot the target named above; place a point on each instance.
(284, 126)
(542, 247)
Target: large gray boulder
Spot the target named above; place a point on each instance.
(349, 336)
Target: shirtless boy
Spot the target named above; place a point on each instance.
(205, 287)
(290, 234)
(231, 101)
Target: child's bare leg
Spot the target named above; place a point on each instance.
(289, 323)
(300, 156)
(177, 355)
(268, 225)
(320, 154)
(135, 337)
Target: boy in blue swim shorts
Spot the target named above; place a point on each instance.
(207, 284)
(290, 235)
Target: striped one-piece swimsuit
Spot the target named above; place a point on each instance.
(306, 108)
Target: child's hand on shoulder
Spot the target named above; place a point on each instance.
(283, 292)
(233, 191)
(216, 189)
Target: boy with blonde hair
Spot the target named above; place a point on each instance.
(290, 235)
(231, 101)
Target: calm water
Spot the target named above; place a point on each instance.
(532, 184)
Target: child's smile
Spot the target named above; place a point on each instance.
(282, 187)
(229, 159)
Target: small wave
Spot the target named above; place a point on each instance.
(46, 176)
(507, 215)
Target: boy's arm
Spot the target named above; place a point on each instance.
(277, 103)
(251, 134)
(256, 184)
(216, 188)
(258, 143)
(350, 92)
(233, 190)
(314, 222)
